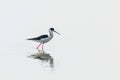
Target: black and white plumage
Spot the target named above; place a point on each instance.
(44, 38)
(40, 38)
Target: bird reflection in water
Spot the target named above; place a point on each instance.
(44, 57)
(42, 40)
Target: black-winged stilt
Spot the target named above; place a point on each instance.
(44, 38)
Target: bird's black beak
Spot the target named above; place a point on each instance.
(56, 32)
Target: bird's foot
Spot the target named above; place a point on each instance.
(41, 51)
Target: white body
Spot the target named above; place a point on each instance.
(45, 40)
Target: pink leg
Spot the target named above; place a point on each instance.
(38, 46)
(42, 47)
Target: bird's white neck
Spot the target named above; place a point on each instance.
(51, 33)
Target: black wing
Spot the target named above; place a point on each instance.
(39, 37)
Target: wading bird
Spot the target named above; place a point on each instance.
(44, 38)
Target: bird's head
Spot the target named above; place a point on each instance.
(53, 30)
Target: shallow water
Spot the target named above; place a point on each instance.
(87, 49)
(68, 63)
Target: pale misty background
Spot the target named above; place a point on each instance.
(87, 49)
